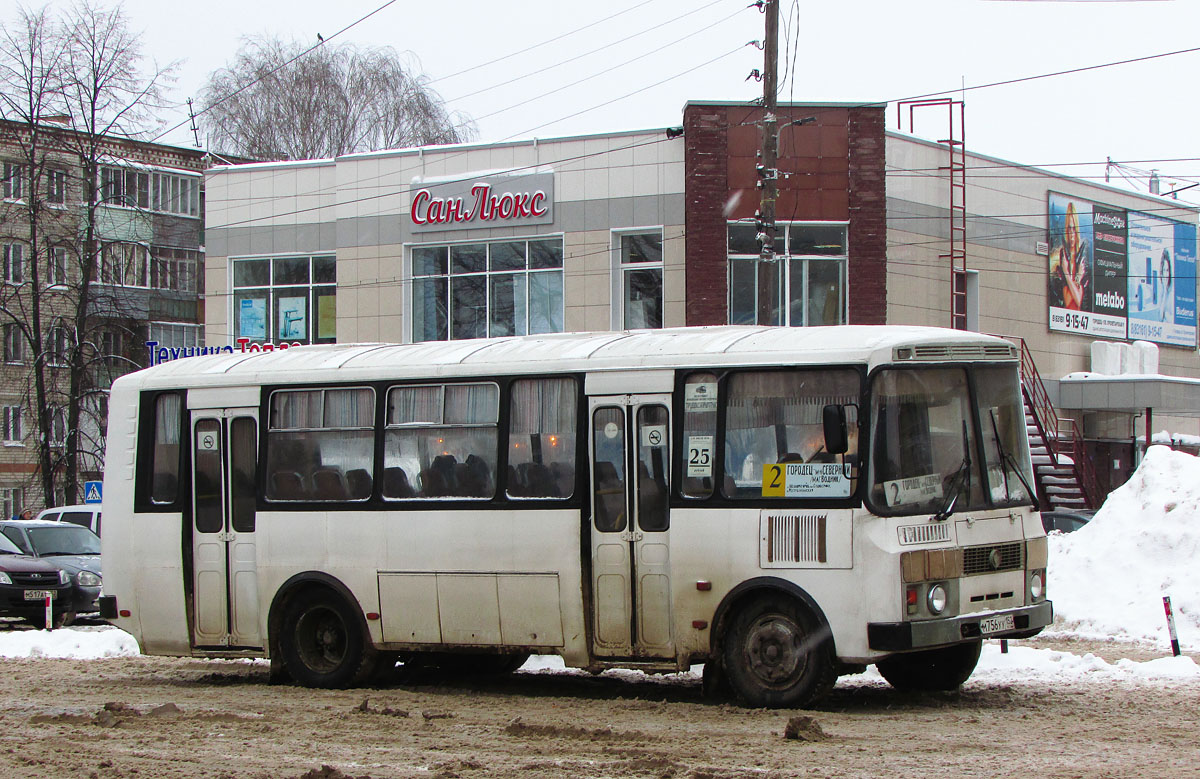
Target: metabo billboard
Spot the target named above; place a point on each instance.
(1120, 274)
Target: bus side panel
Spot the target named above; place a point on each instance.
(140, 553)
(723, 547)
(449, 578)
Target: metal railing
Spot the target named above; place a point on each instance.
(1062, 435)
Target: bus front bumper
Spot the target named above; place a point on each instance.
(928, 633)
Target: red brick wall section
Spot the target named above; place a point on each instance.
(706, 138)
(868, 217)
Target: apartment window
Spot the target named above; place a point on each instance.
(124, 265)
(57, 345)
(175, 194)
(124, 187)
(13, 184)
(175, 334)
(478, 290)
(56, 267)
(14, 263)
(174, 269)
(291, 299)
(11, 499)
(803, 286)
(112, 346)
(640, 275)
(14, 431)
(14, 344)
(58, 427)
(56, 186)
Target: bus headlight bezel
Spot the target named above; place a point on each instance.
(1037, 585)
(937, 598)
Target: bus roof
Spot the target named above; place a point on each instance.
(567, 352)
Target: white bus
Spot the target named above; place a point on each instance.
(783, 505)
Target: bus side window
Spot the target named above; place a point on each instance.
(541, 439)
(320, 445)
(441, 441)
(699, 434)
(164, 477)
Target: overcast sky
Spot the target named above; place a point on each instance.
(850, 51)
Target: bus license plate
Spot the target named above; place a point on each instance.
(39, 594)
(996, 624)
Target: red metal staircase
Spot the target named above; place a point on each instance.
(1064, 475)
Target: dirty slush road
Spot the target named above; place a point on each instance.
(166, 718)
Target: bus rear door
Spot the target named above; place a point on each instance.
(225, 572)
(631, 572)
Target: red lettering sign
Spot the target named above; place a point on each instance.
(487, 207)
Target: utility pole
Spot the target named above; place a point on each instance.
(769, 279)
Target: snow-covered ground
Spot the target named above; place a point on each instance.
(1107, 581)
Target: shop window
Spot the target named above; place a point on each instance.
(287, 299)
(481, 290)
(640, 275)
(804, 285)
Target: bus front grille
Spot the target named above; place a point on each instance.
(992, 558)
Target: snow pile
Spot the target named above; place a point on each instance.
(82, 643)
(1108, 578)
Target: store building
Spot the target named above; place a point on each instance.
(656, 228)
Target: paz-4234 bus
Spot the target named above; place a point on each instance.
(781, 505)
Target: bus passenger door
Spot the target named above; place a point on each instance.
(631, 582)
(225, 578)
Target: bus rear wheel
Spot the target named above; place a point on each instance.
(778, 654)
(322, 642)
(933, 670)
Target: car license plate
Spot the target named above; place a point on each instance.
(996, 624)
(39, 594)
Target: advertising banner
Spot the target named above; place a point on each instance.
(1120, 274)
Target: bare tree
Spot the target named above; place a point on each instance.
(73, 91)
(279, 101)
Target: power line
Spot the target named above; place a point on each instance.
(320, 42)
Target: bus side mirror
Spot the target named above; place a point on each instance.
(833, 417)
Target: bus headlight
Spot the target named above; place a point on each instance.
(936, 599)
(1037, 585)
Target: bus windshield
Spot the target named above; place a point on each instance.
(925, 453)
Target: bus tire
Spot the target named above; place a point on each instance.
(932, 670)
(323, 643)
(778, 654)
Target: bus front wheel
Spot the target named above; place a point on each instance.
(323, 644)
(931, 670)
(778, 654)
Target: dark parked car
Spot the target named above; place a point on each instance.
(70, 547)
(1066, 521)
(25, 582)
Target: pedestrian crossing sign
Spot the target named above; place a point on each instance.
(92, 490)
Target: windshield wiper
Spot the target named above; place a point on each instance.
(960, 480)
(1008, 461)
